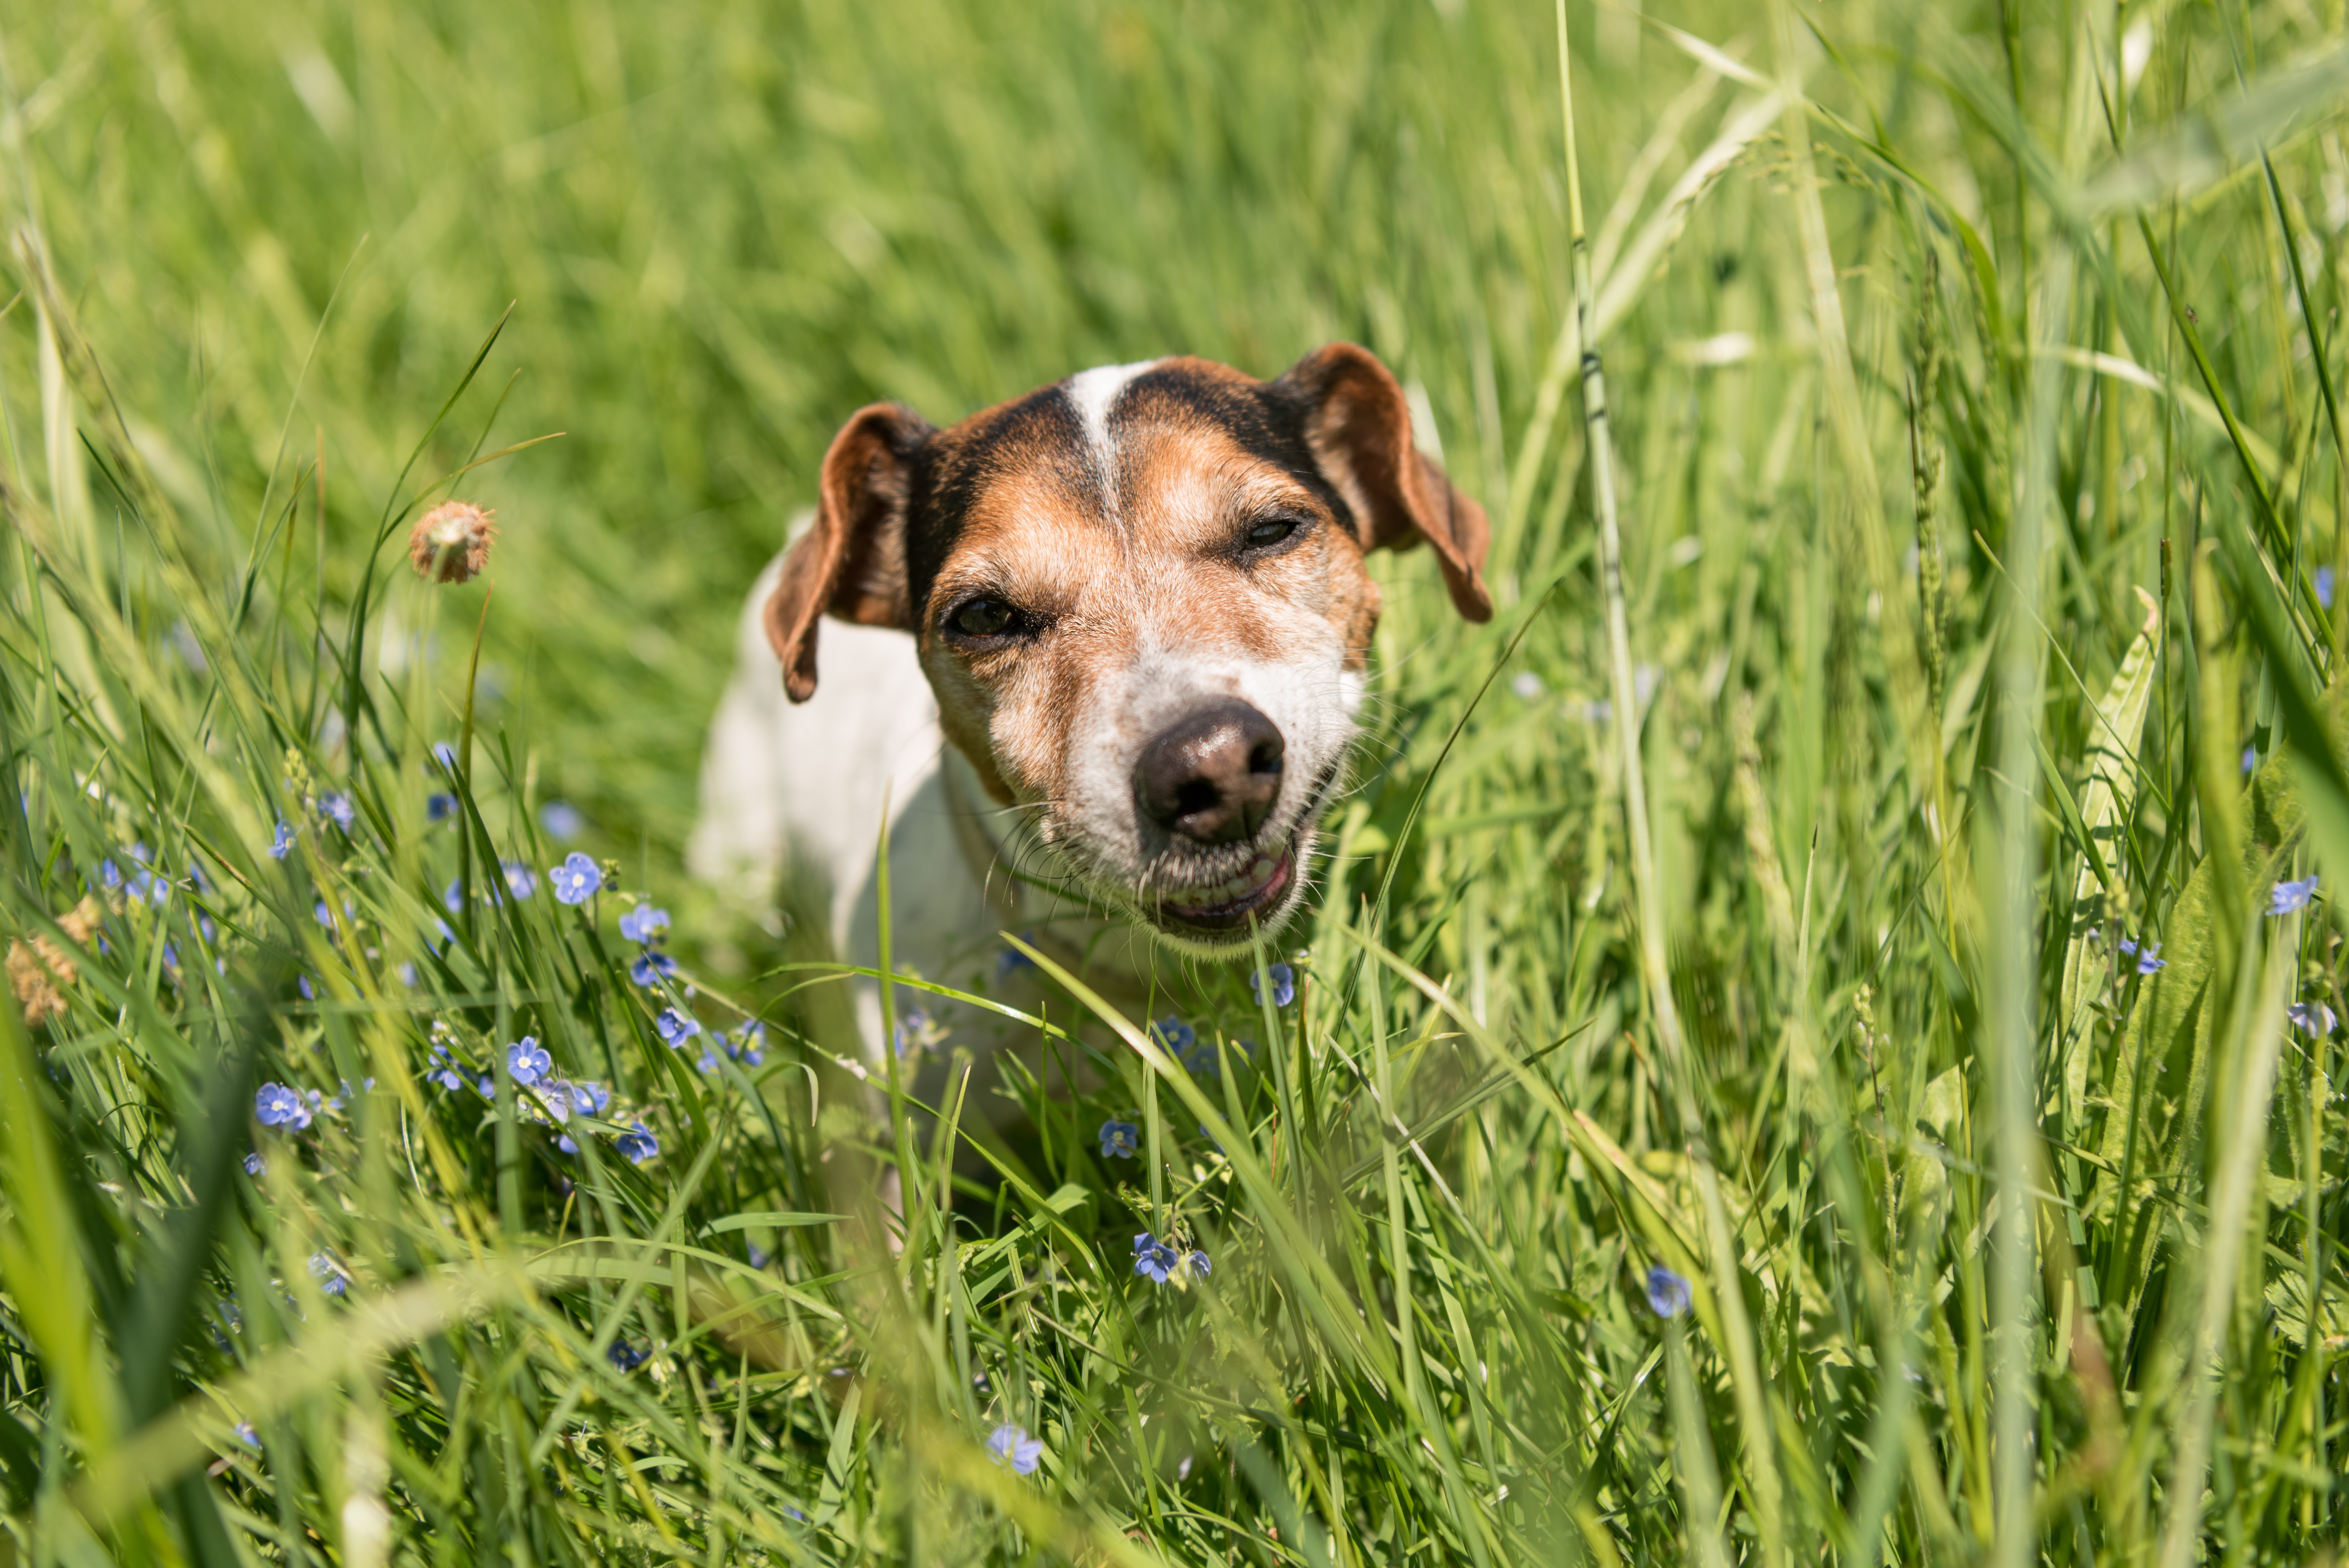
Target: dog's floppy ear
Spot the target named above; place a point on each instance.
(1358, 427)
(851, 562)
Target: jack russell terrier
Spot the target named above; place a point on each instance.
(1134, 602)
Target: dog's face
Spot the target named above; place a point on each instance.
(1140, 598)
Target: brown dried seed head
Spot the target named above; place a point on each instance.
(33, 977)
(452, 543)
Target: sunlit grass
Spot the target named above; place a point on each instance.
(1898, 1130)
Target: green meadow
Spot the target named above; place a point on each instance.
(1816, 1041)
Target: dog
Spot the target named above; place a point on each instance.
(1098, 653)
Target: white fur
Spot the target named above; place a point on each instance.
(1094, 393)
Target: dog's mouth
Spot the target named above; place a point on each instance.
(1252, 892)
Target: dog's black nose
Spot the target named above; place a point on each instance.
(1211, 776)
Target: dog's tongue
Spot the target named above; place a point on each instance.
(1256, 877)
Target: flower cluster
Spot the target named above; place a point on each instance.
(644, 926)
(1162, 1263)
(331, 1275)
(746, 1044)
(1181, 1041)
(278, 1105)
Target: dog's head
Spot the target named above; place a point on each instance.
(1140, 598)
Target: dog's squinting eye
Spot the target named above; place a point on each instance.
(982, 618)
(1270, 531)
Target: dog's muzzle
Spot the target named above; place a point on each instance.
(1210, 781)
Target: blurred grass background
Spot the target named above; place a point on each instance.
(2002, 1241)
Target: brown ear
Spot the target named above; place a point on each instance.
(851, 562)
(1358, 427)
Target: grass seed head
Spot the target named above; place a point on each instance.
(452, 543)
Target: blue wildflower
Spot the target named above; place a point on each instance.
(589, 1098)
(913, 1031)
(247, 1436)
(644, 922)
(575, 879)
(521, 878)
(2128, 945)
(1118, 1140)
(1010, 960)
(445, 754)
(301, 983)
(626, 1356)
(527, 1060)
(407, 973)
(2314, 1017)
(254, 1165)
(1668, 1293)
(708, 1061)
(676, 1027)
(748, 1044)
(2150, 960)
(561, 820)
(651, 968)
(2287, 896)
(2324, 586)
(329, 1273)
(440, 806)
(1153, 1260)
(1012, 1446)
(1174, 1034)
(336, 808)
(2250, 757)
(1200, 1266)
(283, 841)
(1284, 984)
(637, 1145)
(278, 1105)
(443, 1070)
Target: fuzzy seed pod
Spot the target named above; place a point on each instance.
(451, 541)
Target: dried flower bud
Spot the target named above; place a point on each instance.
(452, 543)
(38, 971)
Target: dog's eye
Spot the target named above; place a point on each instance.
(1269, 531)
(982, 618)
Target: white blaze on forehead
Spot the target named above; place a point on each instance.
(1094, 393)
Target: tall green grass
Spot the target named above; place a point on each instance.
(1839, 880)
